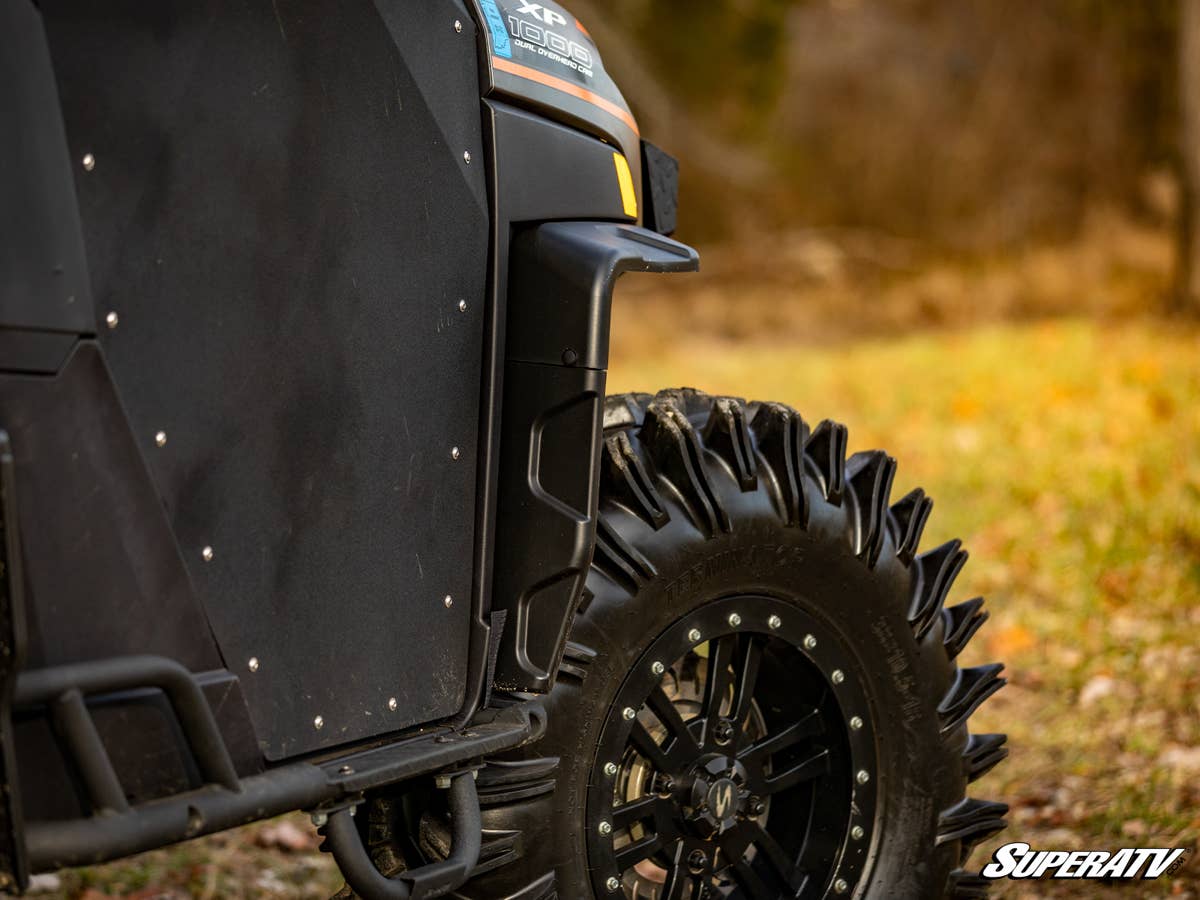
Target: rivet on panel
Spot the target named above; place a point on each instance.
(455, 453)
(448, 601)
(392, 704)
(252, 665)
(89, 162)
(467, 157)
(161, 439)
(318, 723)
(112, 320)
(462, 305)
(207, 554)
(458, 25)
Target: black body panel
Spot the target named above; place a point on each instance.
(43, 272)
(103, 575)
(283, 218)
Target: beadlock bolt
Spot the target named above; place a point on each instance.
(604, 828)
(855, 723)
(694, 635)
(840, 886)
(657, 668)
(613, 883)
(810, 642)
(863, 776)
(837, 676)
(774, 623)
(629, 713)
(610, 769)
(734, 620)
(857, 832)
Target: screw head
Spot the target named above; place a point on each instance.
(610, 769)
(89, 162)
(448, 601)
(857, 832)
(837, 676)
(855, 723)
(392, 704)
(161, 439)
(462, 305)
(863, 776)
(810, 642)
(318, 723)
(604, 828)
(467, 157)
(252, 665)
(207, 554)
(346, 770)
(458, 25)
(774, 623)
(613, 883)
(734, 620)
(694, 635)
(629, 713)
(840, 886)
(112, 320)
(455, 453)
(657, 668)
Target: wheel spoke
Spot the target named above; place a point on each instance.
(632, 854)
(716, 689)
(747, 676)
(639, 811)
(809, 725)
(784, 867)
(683, 745)
(654, 753)
(814, 767)
(678, 878)
(750, 881)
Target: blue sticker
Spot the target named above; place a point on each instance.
(500, 42)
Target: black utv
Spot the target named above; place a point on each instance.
(313, 499)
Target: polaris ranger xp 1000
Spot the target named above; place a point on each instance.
(313, 499)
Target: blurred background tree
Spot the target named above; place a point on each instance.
(977, 126)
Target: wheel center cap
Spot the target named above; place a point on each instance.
(722, 799)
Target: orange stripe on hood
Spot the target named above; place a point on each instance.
(567, 87)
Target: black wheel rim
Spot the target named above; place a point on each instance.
(737, 761)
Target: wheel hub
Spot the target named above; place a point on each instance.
(736, 766)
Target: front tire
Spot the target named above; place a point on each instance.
(760, 697)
